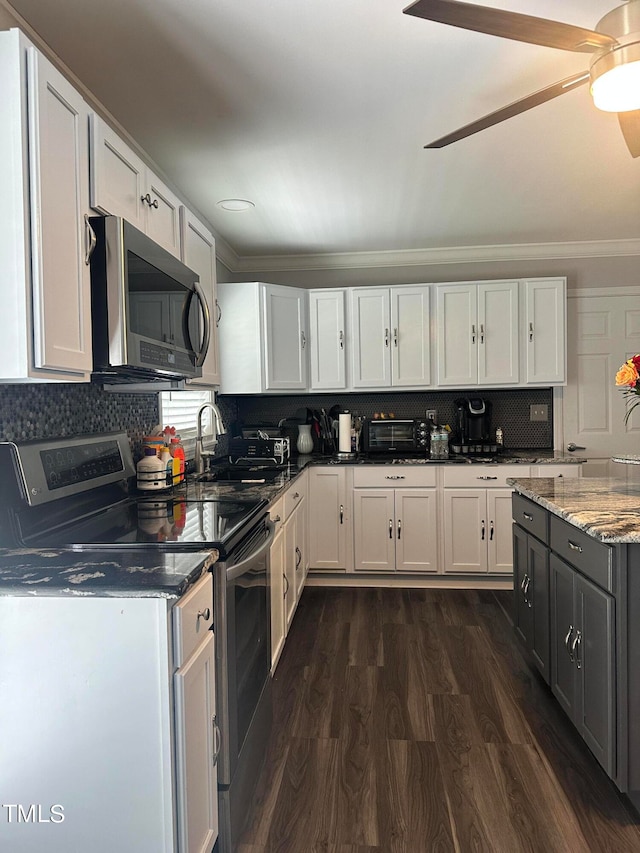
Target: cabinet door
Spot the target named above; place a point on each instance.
(416, 530)
(465, 531)
(278, 597)
(163, 214)
(58, 175)
(522, 605)
(300, 547)
(538, 596)
(196, 782)
(371, 337)
(290, 557)
(328, 528)
(117, 175)
(410, 336)
(563, 633)
(456, 309)
(285, 330)
(498, 533)
(199, 254)
(374, 530)
(595, 662)
(497, 333)
(327, 339)
(545, 330)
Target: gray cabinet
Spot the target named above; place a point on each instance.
(531, 596)
(583, 657)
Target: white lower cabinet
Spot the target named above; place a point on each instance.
(477, 518)
(279, 585)
(395, 529)
(125, 705)
(329, 518)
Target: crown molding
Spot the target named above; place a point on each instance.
(430, 257)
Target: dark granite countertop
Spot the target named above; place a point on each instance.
(606, 508)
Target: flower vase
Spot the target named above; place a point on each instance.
(304, 444)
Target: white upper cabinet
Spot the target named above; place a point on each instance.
(390, 336)
(478, 330)
(44, 275)
(123, 185)
(199, 254)
(327, 339)
(545, 330)
(263, 338)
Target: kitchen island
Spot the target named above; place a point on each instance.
(576, 593)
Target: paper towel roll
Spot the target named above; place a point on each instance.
(344, 432)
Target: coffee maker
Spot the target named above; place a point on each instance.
(473, 425)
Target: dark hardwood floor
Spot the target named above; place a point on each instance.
(408, 721)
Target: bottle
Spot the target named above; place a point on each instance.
(443, 442)
(434, 443)
(167, 459)
(151, 472)
(499, 437)
(177, 451)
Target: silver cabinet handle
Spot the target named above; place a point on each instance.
(524, 582)
(390, 528)
(481, 333)
(491, 530)
(147, 200)
(395, 337)
(204, 614)
(530, 332)
(394, 477)
(341, 513)
(571, 447)
(298, 557)
(218, 313)
(527, 516)
(574, 547)
(386, 337)
(341, 339)
(575, 648)
(296, 495)
(217, 740)
(276, 518)
(303, 339)
(567, 640)
(92, 239)
(286, 589)
(486, 478)
(526, 592)
(155, 204)
(482, 522)
(399, 527)
(473, 333)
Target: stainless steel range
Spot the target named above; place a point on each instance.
(73, 493)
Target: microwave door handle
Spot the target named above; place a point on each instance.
(206, 336)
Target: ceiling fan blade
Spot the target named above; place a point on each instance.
(513, 109)
(510, 25)
(630, 126)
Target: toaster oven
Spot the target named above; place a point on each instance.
(395, 436)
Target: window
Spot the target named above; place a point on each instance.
(180, 409)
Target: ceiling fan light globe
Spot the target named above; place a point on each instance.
(615, 79)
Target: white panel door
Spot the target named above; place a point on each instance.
(371, 337)
(499, 531)
(416, 530)
(457, 334)
(199, 254)
(497, 333)
(465, 531)
(603, 331)
(328, 518)
(327, 339)
(118, 175)
(59, 183)
(285, 310)
(411, 336)
(374, 530)
(163, 214)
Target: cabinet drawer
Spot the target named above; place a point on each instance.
(192, 618)
(394, 476)
(480, 476)
(533, 518)
(294, 495)
(592, 558)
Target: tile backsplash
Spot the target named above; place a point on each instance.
(49, 410)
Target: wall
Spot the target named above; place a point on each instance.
(510, 409)
(46, 410)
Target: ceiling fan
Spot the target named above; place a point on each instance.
(614, 71)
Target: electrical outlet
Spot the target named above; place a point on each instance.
(539, 412)
(432, 415)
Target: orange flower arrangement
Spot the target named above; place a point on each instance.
(628, 376)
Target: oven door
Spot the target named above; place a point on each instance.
(390, 436)
(243, 641)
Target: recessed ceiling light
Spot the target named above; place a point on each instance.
(235, 204)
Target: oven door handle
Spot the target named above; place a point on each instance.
(239, 569)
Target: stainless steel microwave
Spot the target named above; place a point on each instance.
(150, 319)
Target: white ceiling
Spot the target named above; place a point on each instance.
(318, 111)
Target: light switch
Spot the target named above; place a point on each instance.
(539, 412)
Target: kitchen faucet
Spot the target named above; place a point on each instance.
(201, 454)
